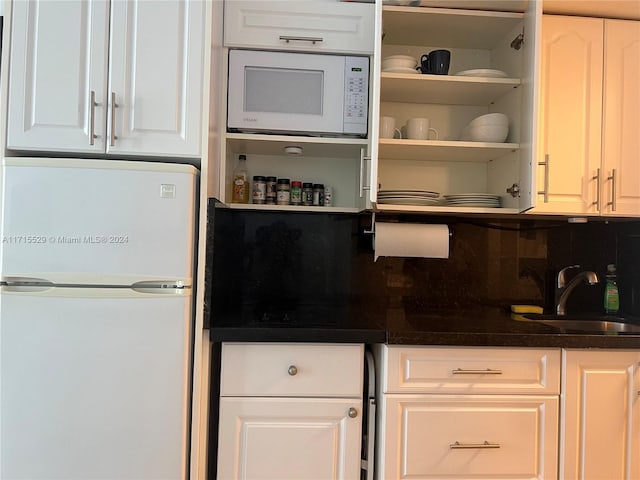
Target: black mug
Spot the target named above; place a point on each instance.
(435, 62)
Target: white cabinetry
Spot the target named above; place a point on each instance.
(467, 413)
(477, 40)
(600, 432)
(290, 411)
(318, 26)
(95, 77)
(328, 27)
(588, 162)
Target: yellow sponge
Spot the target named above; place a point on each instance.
(526, 309)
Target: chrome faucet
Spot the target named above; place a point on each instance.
(563, 289)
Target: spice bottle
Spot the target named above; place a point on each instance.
(240, 193)
(307, 193)
(296, 193)
(259, 190)
(283, 191)
(271, 191)
(318, 194)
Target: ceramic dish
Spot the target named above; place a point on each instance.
(409, 201)
(400, 70)
(483, 72)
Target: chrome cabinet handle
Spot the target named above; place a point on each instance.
(613, 177)
(363, 158)
(292, 370)
(92, 117)
(313, 40)
(488, 371)
(596, 177)
(113, 120)
(545, 191)
(353, 413)
(484, 444)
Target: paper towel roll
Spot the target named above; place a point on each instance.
(411, 240)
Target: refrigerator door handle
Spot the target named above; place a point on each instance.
(27, 282)
(164, 287)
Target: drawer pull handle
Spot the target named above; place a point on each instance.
(292, 370)
(484, 444)
(353, 413)
(488, 371)
(289, 38)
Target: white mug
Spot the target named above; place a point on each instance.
(388, 127)
(418, 129)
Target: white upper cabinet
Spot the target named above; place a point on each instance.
(501, 48)
(620, 186)
(589, 117)
(302, 25)
(101, 77)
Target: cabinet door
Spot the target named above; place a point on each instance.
(156, 72)
(289, 439)
(621, 143)
(468, 436)
(600, 431)
(58, 61)
(570, 115)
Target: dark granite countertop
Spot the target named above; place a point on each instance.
(483, 326)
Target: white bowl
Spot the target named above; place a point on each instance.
(490, 119)
(488, 133)
(399, 61)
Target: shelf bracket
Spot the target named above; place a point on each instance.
(517, 42)
(514, 190)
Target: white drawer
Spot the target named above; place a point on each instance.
(338, 26)
(289, 370)
(443, 436)
(470, 370)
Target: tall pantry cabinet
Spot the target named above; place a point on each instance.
(589, 117)
(100, 77)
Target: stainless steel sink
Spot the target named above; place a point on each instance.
(587, 323)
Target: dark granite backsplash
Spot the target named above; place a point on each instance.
(302, 268)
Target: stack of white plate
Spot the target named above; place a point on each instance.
(473, 200)
(483, 72)
(409, 197)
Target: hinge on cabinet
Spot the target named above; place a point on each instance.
(517, 42)
(514, 190)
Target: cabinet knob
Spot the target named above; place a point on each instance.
(353, 413)
(292, 370)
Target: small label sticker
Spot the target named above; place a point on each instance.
(167, 190)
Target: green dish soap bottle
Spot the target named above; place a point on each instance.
(611, 294)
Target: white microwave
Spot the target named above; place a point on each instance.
(298, 93)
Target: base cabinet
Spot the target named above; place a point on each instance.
(462, 413)
(287, 438)
(600, 432)
(470, 436)
(290, 411)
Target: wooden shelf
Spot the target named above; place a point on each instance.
(291, 208)
(262, 144)
(443, 89)
(448, 27)
(388, 208)
(445, 151)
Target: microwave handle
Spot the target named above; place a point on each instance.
(363, 157)
(313, 40)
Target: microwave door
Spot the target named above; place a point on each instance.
(286, 92)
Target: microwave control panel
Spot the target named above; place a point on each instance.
(356, 95)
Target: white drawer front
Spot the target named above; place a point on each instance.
(335, 26)
(443, 436)
(472, 370)
(283, 369)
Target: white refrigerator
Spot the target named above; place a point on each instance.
(96, 265)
